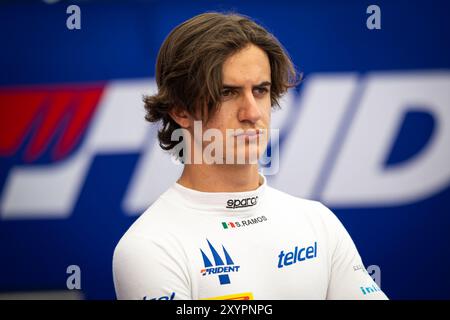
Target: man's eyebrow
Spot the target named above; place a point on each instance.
(262, 84)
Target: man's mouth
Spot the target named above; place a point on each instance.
(251, 133)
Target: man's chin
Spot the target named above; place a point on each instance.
(247, 156)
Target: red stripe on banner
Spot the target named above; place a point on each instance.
(78, 123)
(59, 106)
(61, 112)
(18, 110)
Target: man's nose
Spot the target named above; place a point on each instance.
(249, 109)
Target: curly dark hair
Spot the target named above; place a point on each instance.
(189, 67)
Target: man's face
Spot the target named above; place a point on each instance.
(246, 103)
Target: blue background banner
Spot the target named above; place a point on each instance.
(59, 93)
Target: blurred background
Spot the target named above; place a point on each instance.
(367, 133)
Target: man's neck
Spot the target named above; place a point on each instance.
(220, 178)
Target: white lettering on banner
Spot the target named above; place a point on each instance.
(358, 178)
(119, 126)
(51, 191)
(148, 182)
(323, 106)
(45, 191)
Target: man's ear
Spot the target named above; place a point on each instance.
(181, 116)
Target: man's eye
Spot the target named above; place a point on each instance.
(261, 90)
(227, 93)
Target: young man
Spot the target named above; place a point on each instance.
(220, 232)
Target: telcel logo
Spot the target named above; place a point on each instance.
(242, 203)
(161, 298)
(298, 255)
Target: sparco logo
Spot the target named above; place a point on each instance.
(242, 203)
